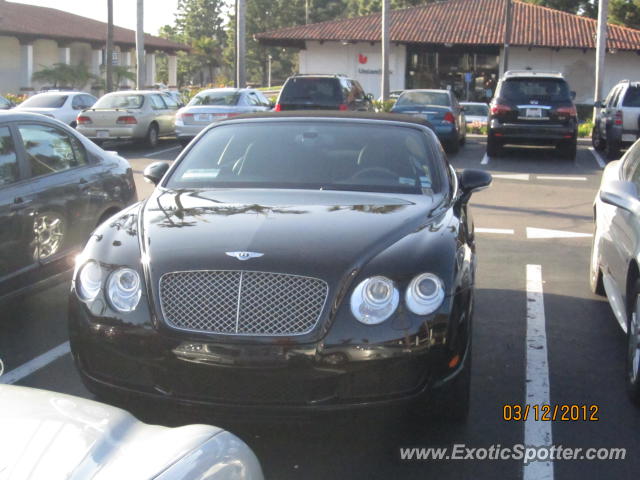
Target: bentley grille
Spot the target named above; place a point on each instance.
(241, 302)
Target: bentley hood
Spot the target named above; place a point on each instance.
(55, 436)
(316, 233)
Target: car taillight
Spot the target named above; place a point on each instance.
(343, 107)
(617, 119)
(498, 109)
(83, 120)
(184, 116)
(569, 111)
(449, 118)
(277, 108)
(127, 120)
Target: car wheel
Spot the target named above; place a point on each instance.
(463, 139)
(596, 140)
(612, 150)
(633, 349)
(151, 139)
(494, 148)
(452, 146)
(568, 150)
(49, 232)
(595, 273)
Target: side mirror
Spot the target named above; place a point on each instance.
(369, 96)
(573, 95)
(154, 172)
(621, 194)
(472, 180)
(598, 104)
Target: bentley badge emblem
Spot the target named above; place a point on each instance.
(244, 255)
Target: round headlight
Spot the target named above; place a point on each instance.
(374, 300)
(123, 289)
(425, 294)
(89, 280)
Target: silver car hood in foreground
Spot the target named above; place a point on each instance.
(51, 436)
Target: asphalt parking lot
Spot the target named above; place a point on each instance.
(534, 230)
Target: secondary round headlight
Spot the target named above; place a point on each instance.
(123, 289)
(425, 294)
(89, 280)
(374, 300)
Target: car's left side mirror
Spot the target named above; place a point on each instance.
(154, 172)
(472, 180)
(621, 194)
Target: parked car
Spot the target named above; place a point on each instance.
(441, 109)
(533, 108)
(475, 114)
(393, 95)
(615, 252)
(63, 106)
(55, 188)
(138, 115)
(616, 125)
(5, 104)
(246, 299)
(323, 92)
(55, 436)
(214, 105)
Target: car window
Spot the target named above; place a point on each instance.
(263, 100)
(358, 90)
(4, 103)
(216, 98)
(424, 98)
(157, 103)
(632, 97)
(314, 155)
(524, 89)
(476, 110)
(120, 100)
(44, 101)
(614, 98)
(317, 90)
(50, 150)
(8, 158)
(171, 103)
(88, 100)
(253, 99)
(77, 103)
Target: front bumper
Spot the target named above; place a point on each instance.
(277, 376)
(532, 133)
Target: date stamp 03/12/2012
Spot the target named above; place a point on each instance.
(550, 413)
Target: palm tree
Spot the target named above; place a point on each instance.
(64, 75)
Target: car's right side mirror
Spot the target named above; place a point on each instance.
(154, 172)
(472, 180)
(621, 194)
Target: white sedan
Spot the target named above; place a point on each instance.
(55, 436)
(63, 106)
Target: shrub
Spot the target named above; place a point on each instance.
(584, 129)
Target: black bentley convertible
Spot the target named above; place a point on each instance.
(297, 261)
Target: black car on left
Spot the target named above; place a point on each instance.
(287, 262)
(56, 187)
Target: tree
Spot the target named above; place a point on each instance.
(364, 7)
(625, 12)
(64, 75)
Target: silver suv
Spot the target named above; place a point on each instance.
(617, 119)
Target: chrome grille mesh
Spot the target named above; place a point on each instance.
(241, 302)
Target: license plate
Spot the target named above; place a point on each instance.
(534, 112)
(102, 133)
(203, 117)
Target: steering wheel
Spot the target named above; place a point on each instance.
(375, 172)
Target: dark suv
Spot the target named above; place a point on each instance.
(533, 108)
(323, 92)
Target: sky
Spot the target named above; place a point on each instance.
(156, 12)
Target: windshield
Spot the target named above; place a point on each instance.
(312, 155)
(312, 89)
(521, 90)
(215, 98)
(424, 98)
(119, 100)
(476, 110)
(45, 101)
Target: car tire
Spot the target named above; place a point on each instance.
(452, 146)
(612, 150)
(494, 148)
(595, 273)
(151, 139)
(568, 149)
(463, 139)
(633, 348)
(597, 141)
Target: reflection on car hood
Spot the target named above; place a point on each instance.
(55, 436)
(305, 232)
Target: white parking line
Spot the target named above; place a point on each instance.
(547, 233)
(536, 433)
(34, 365)
(562, 177)
(598, 157)
(499, 231)
(485, 160)
(160, 152)
(513, 176)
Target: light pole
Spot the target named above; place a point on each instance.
(601, 50)
(269, 72)
(241, 9)
(109, 59)
(508, 21)
(140, 70)
(385, 50)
